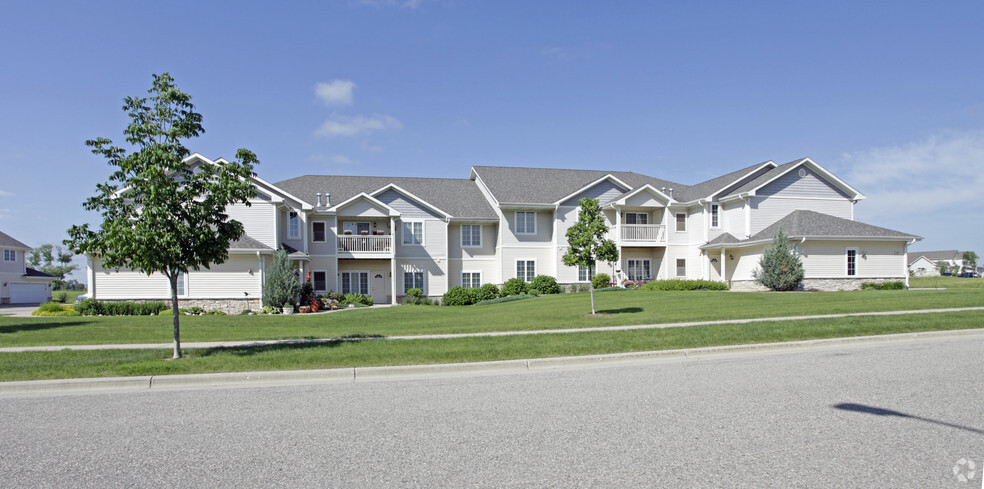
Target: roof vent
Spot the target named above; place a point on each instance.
(327, 199)
(319, 199)
(671, 193)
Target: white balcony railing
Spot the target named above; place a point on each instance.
(644, 232)
(365, 244)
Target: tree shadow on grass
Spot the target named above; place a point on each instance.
(624, 310)
(283, 346)
(861, 408)
(35, 325)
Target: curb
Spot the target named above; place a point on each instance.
(409, 372)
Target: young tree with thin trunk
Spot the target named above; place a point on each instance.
(588, 241)
(161, 214)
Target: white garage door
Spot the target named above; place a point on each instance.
(28, 293)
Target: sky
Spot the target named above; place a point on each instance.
(889, 96)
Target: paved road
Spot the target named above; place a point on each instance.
(908, 412)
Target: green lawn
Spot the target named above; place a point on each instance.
(109, 363)
(946, 282)
(551, 312)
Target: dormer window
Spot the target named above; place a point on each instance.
(293, 225)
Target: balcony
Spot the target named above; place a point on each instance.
(643, 234)
(379, 246)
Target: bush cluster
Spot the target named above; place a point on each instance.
(488, 292)
(414, 296)
(460, 296)
(92, 307)
(514, 286)
(899, 285)
(54, 309)
(545, 284)
(601, 280)
(684, 285)
(356, 299)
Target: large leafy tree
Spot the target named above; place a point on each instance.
(587, 240)
(779, 268)
(160, 213)
(970, 259)
(52, 260)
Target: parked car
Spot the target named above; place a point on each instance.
(81, 298)
(969, 275)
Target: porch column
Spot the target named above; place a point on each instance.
(618, 242)
(393, 261)
(724, 266)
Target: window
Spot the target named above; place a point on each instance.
(318, 229)
(715, 216)
(9, 255)
(852, 262)
(471, 280)
(525, 222)
(320, 280)
(293, 225)
(413, 280)
(471, 235)
(526, 269)
(636, 218)
(584, 274)
(413, 233)
(681, 222)
(681, 267)
(355, 283)
(182, 290)
(638, 270)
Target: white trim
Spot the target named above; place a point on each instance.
(403, 233)
(350, 272)
(324, 232)
(423, 278)
(536, 268)
(830, 177)
(362, 195)
(769, 163)
(711, 215)
(413, 197)
(11, 253)
(461, 231)
(314, 281)
(847, 259)
(649, 188)
(676, 267)
(293, 232)
(516, 222)
(461, 277)
(676, 222)
(609, 177)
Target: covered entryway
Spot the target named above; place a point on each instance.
(23, 293)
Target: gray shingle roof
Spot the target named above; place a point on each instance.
(6, 240)
(937, 255)
(248, 243)
(765, 177)
(36, 273)
(709, 187)
(459, 197)
(810, 224)
(546, 186)
(724, 238)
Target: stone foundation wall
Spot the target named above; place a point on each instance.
(228, 306)
(815, 284)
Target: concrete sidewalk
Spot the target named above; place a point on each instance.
(237, 344)
(32, 388)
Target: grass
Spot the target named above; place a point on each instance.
(107, 363)
(623, 307)
(946, 282)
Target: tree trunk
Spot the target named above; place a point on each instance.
(592, 299)
(175, 314)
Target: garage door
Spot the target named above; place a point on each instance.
(28, 293)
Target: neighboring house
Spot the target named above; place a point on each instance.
(924, 263)
(383, 235)
(18, 283)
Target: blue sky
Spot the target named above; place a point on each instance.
(886, 95)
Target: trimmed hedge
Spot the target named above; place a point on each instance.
(684, 285)
(459, 296)
(92, 307)
(514, 286)
(545, 284)
(488, 292)
(883, 285)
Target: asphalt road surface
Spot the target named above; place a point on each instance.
(896, 414)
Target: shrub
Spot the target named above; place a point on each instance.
(601, 280)
(61, 297)
(545, 284)
(534, 292)
(457, 296)
(357, 299)
(676, 284)
(216, 312)
(628, 284)
(899, 285)
(414, 296)
(779, 268)
(270, 310)
(246, 312)
(54, 309)
(514, 286)
(192, 311)
(488, 292)
(92, 307)
(50, 307)
(281, 285)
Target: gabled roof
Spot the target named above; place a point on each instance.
(37, 273)
(248, 243)
(547, 186)
(364, 196)
(458, 197)
(9, 242)
(723, 238)
(768, 177)
(935, 255)
(620, 199)
(716, 185)
(815, 225)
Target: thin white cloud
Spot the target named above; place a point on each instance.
(6, 214)
(340, 160)
(335, 92)
(6, 194)
(941, 173)
(348, 126)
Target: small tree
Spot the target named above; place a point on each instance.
(161, 215)
(779, 269)
(281, 286)
(943, 267)
(587, 240)
(43, 258)
(970, 259)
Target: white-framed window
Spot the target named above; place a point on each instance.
(526, 269)
(681, 267)
(182, 284)
(318, 233)
(636, 218)
(413, 233)
(681, 222)
(471, 235)
(715, 216)
(293, 225)
(471, 280)
(585, 274)
(355, 283)
(639, 270)
(852, 262)
(319, 279)
(9, 255)
(525, 222)
(414, 280)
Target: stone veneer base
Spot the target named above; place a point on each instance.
(816, 284)
(228, 306)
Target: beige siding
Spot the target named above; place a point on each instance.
(330, 246)
(363, 208)
(259, 221)
(643, 199)
(436, 275)
(828, 259)
(487, 267)
(231, 279)
(435, 241)
(544, 228)
(544, 258)
(766, 211)
(489, 240)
